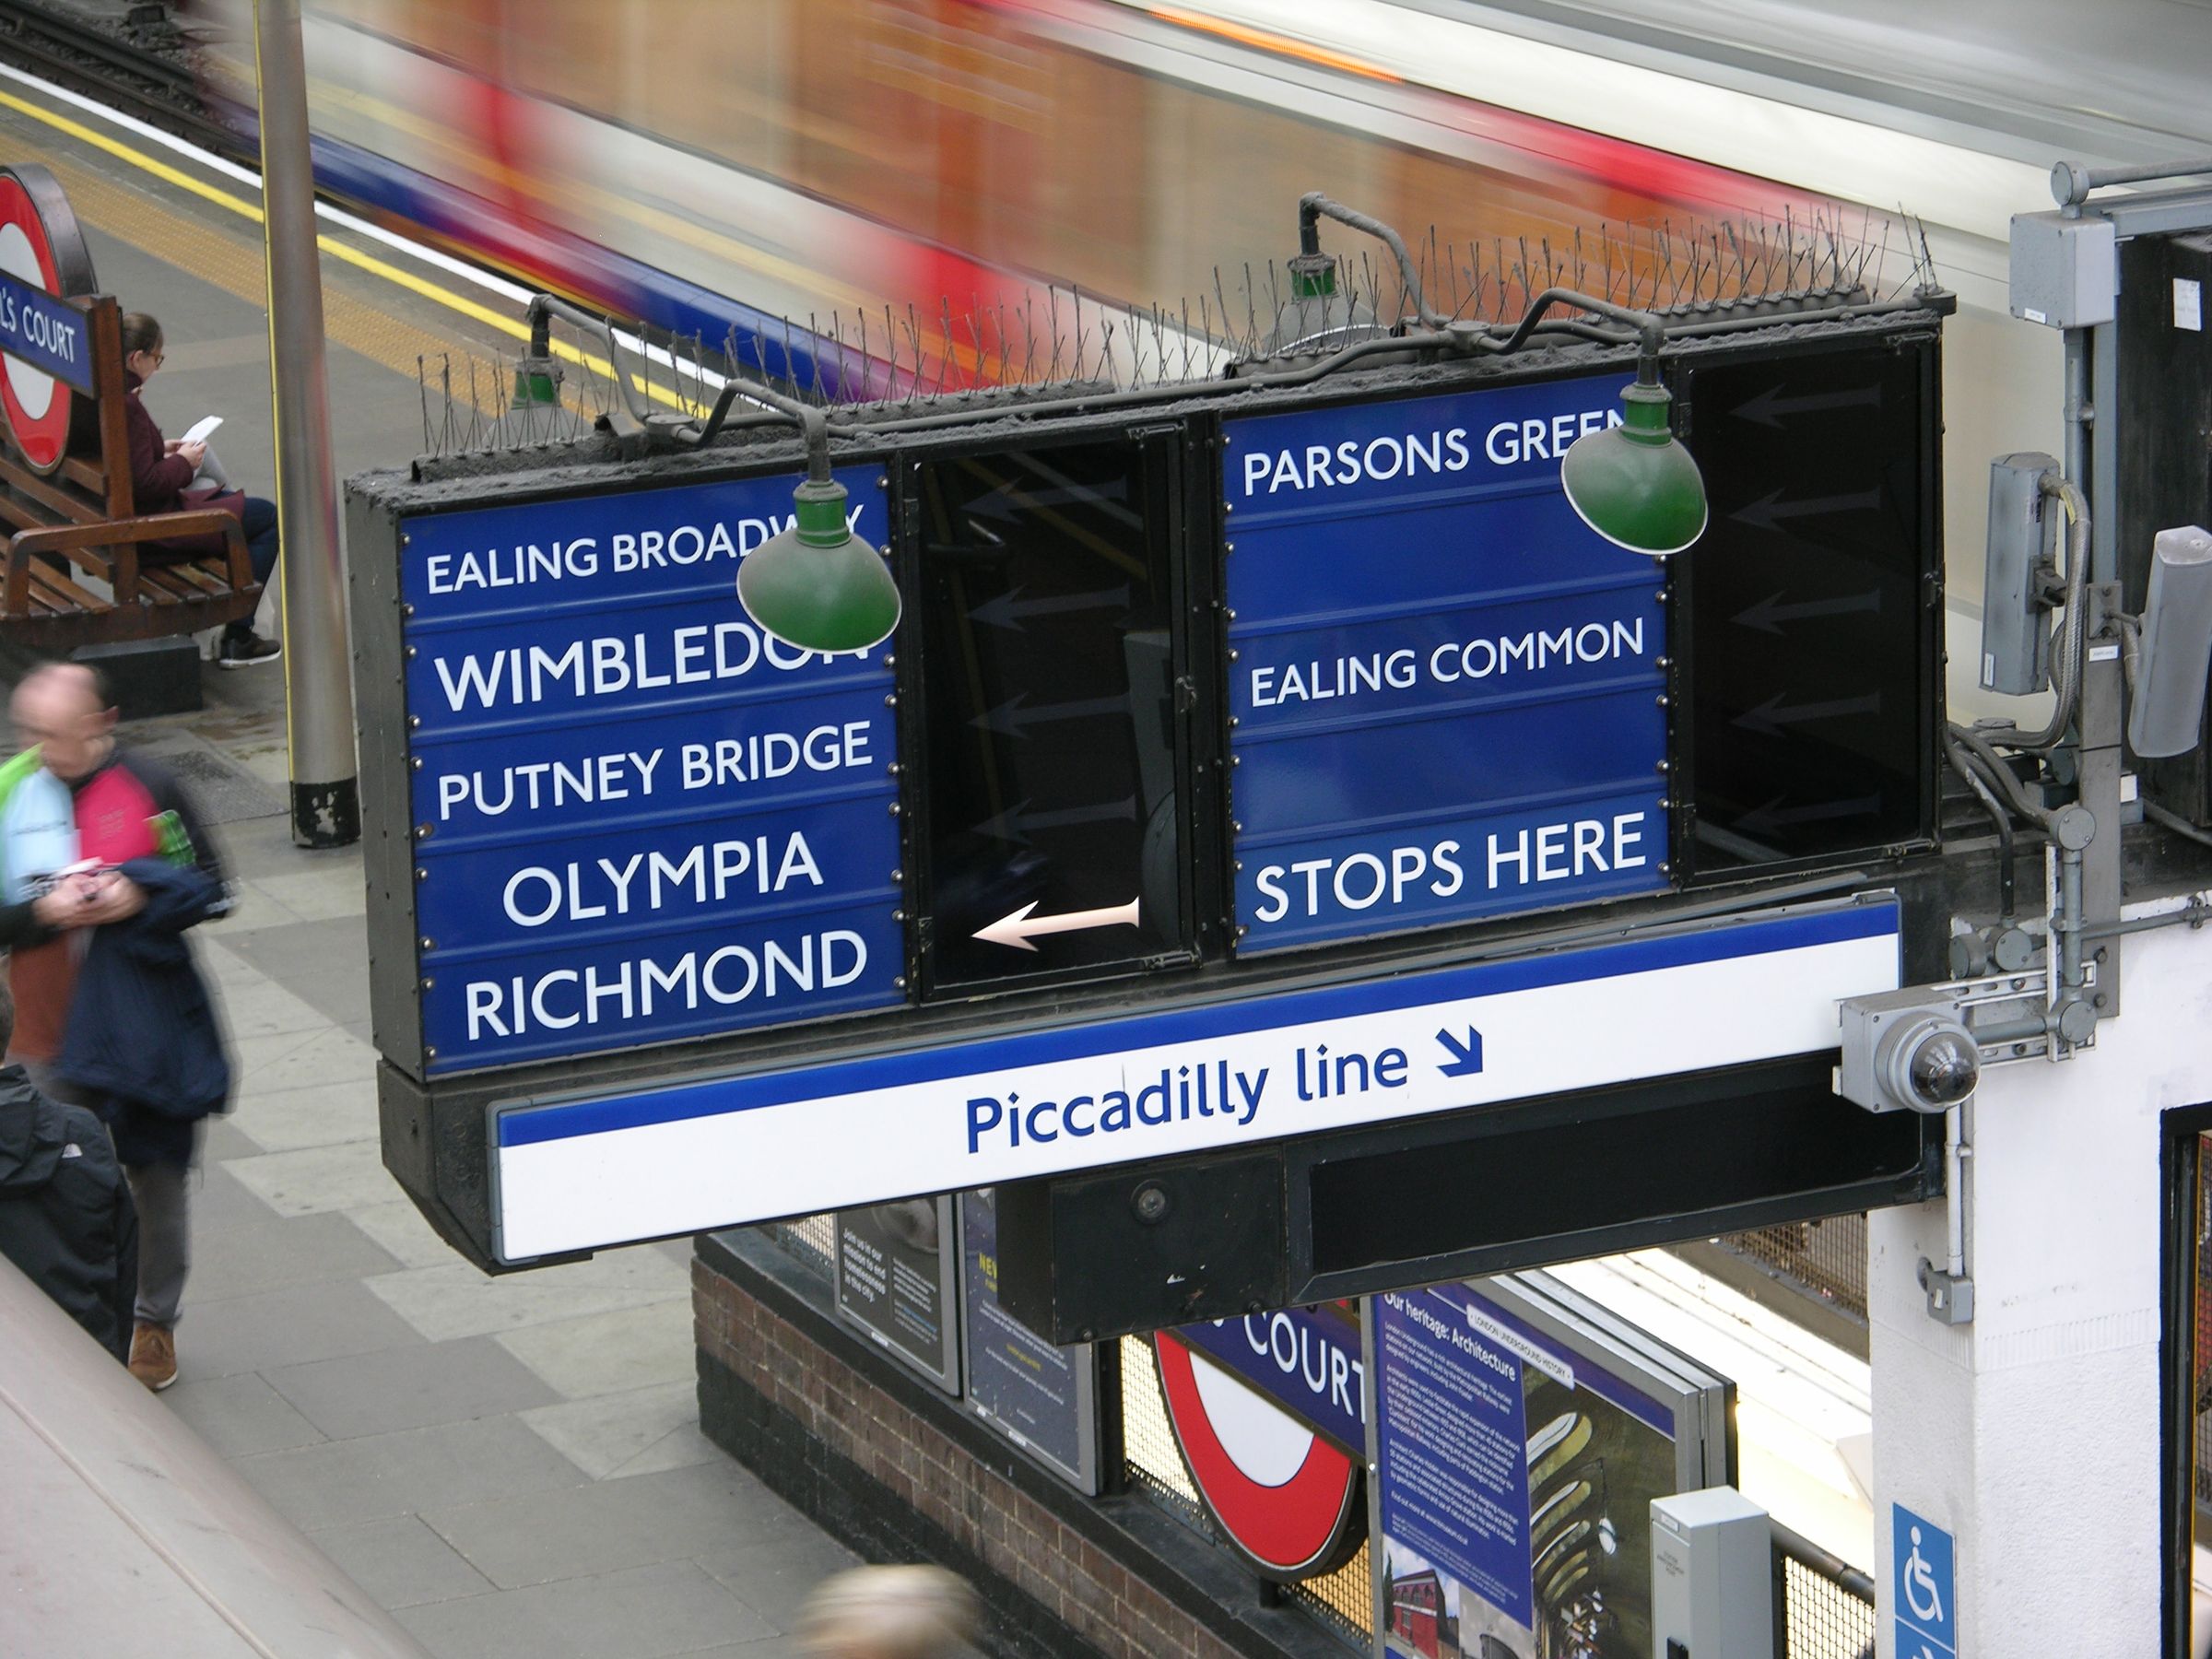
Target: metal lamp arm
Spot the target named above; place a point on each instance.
(1650, 331)
(544, 308)
(1314, 206)
(810, 421)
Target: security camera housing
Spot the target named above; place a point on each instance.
(1882, 1034)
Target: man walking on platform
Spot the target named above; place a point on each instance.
(138, 1039)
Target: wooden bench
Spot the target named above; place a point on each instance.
(80, 521)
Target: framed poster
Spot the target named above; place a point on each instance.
(1519, 1435)
(896, 1280)
(1044, 1398)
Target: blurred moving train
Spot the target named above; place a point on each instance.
(706, 165)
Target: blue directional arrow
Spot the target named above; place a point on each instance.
(1467, 1057)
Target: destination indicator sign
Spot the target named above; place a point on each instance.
(637, 818)
(1445, 689)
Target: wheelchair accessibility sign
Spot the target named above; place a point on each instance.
(1924, 1582)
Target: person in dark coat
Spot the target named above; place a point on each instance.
(140, 1042)
(162, 471)
(143, 1042)
(65, 1213)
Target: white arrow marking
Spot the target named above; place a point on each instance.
(1019, 929)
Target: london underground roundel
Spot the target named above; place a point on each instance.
(1288, 1498)
(41, 249)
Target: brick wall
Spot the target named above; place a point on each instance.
(899, 1472)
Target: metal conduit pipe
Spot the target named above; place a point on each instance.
(2067, 923)
(2007, 868)
(1954, 1154)
(2071, 182)
(2195, 913)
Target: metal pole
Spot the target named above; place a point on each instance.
(318, 664)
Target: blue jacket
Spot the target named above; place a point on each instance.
(141, 1026)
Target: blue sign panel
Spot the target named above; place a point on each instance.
(1924, 1585)
(637, 818)
(1453, 1435)
(45, 332)
(1445, 686)
(1306, 1360)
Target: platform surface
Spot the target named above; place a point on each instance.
(512, 1467)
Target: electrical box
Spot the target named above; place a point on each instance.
(1713, 1577)
(2065, 272)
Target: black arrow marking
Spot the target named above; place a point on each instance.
(1467, 1057)
(1770, 716)
(1013, 718)
(1770, 409)
(1767, 514)
(1763, 820)
(1016, 822)
(1008, 610)
(1771, 613)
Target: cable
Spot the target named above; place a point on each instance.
(2175, 822)
(2006, 870)
(1996, 771)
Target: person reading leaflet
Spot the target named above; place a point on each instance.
(171, 474)
(211, 471)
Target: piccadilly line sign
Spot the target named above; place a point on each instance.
(583, 1173)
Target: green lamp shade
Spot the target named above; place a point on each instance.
(816, 586)
(1633, 484)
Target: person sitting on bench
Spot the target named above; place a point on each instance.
(166, 477)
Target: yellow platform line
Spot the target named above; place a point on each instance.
(347, 255)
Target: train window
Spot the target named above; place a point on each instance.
(1053, 841)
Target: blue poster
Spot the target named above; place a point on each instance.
(1030, 1389)
(1454, 1443)
(637, 818)
(1445, 687)
(1515, 1481)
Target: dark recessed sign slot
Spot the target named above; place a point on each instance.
(1720, 1142)
(1812, 600)
(1053, 840)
